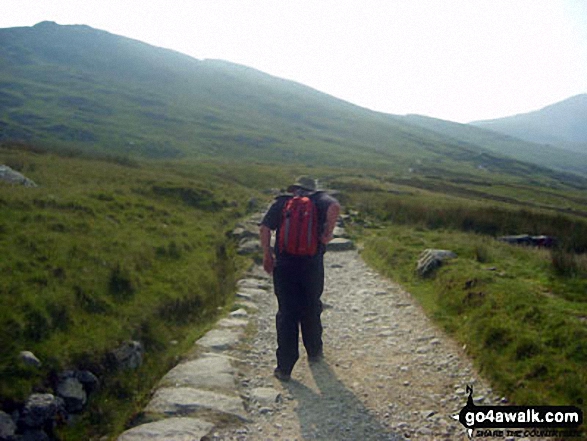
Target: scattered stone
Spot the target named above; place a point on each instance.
(170, 429)
(129, 356)
(28, 358)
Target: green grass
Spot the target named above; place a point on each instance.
(105, 251)
(521, 322)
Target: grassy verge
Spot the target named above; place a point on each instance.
(522, 323)
(105, 251)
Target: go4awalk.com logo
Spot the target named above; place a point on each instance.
(519, 421)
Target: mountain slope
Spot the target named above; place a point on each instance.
(85, 88)
(563, 122)
(502, 144)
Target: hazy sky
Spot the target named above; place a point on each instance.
(459, 60)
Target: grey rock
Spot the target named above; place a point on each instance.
(239, 313)
(11, 176)
(265, 396)
(220, 339)
(170, 429)
(73, 394)
(7, 426)
(253, 283)
(244, 296)
(249, 246)
(88, 380)
(186, 401)
(129, 356)
(40, 409)
(431, 259)
(28, 358)
(340, 244)
(252, 291)
(339, 232)
(232, 323)
(202, 373)
(35, 435)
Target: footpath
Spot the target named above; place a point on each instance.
(388, 372)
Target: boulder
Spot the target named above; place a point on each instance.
(41, 409)
(28, 358)
(128, 356)
(73, 393)
(7, 426)
(11, 176)
(431, 259)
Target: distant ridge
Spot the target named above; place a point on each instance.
(78, 87)
(562, 122)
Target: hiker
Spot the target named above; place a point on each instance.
(304, 223)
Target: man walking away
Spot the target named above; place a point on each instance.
(304, 222)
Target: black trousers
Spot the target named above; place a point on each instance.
(298, 284)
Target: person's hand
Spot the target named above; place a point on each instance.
(268, 262)
(326, 238)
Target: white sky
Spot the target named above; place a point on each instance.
(459, 60)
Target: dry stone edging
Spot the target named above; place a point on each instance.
(201, 393)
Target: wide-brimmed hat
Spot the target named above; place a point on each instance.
(303, 182)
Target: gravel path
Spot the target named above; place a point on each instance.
(388, 373)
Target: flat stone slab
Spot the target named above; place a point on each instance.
(232, 323)
(239, 313)
(203, 373)
(247, 304)
(220, 339)
(187, 401)
(253, 283)
(252, 291)
(265, 396)
(340, 244)
(170, 429)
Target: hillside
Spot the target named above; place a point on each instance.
(78, 87)
(562, 123)
(503, 144)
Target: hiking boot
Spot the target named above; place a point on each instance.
(316, 358)
(280, 375)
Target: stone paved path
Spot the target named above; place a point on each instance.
(388, 373)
